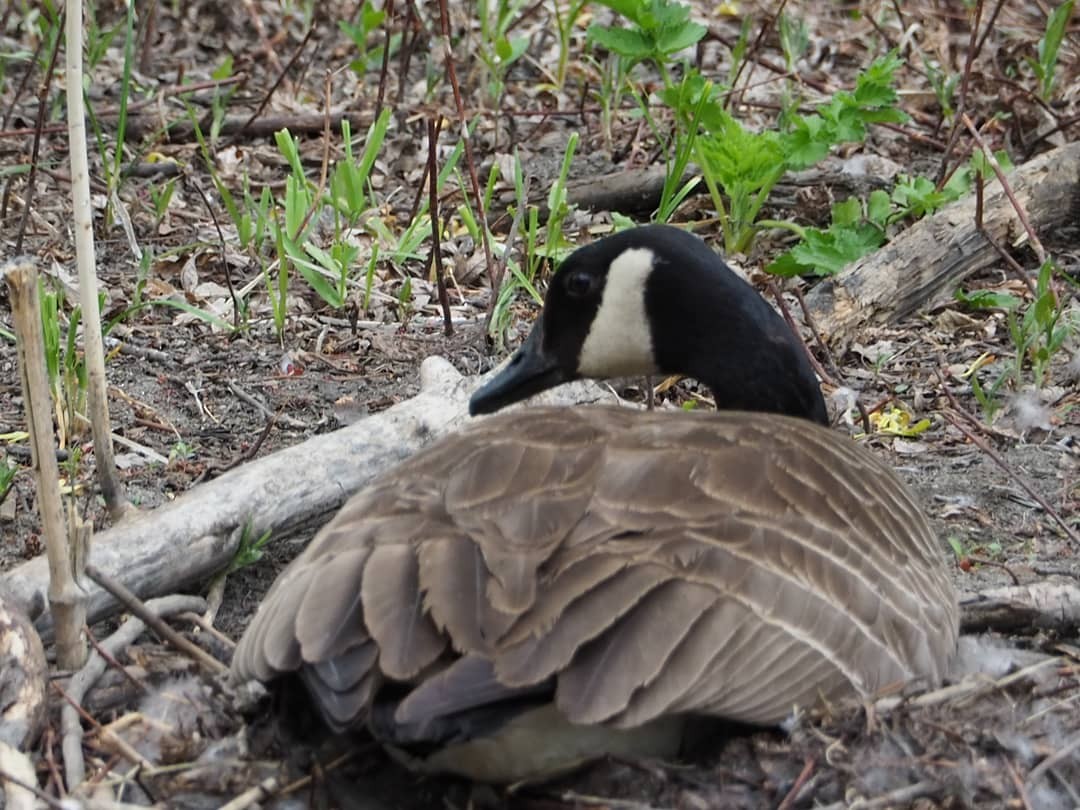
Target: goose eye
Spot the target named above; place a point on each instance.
(578, 285)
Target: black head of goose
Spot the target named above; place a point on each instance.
(657, 300)
(556, 583)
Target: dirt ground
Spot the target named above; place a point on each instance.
(201, 397)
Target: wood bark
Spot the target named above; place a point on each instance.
(1048, 604)
(196, 535)
(935, 254)
(23, 678)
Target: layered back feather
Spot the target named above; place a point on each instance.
(732, 564)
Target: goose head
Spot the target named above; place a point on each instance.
(658, 300)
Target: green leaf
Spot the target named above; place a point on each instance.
(290, 150)
(843, 120)
(630, 44)
(848, 212)
(631, 9)
(510, 50)
(887, 116)
(664, 14)
(874, 86)
(825, 253)
(311, 272)
(224, 70)
(879, 207)
(981, 166)
(371, 17)
(806, 143)
(959, 183)
(695, 100)
(957, 547)
(1049, 45)
(673, 39)
(786, 266)
(201, 314)
(794, 39)
(917, 196)
(987, 299)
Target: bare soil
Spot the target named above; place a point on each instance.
(206, 400)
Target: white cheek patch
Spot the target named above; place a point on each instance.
(619, 343)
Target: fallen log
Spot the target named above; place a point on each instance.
(637, 191)
(934, 254)
(1047, 604)
(190, 539)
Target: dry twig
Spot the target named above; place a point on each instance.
(85, 678)
(131, 602)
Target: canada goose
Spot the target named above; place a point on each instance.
(594, 575)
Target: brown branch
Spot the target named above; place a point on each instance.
(85, 678)
(752, 54)
(1036, 245)
(152, 620)
(282, 73)
(793, 794)
(961, 105)
(470, 162)
(39, 122)
(436, 226)
(224, 252)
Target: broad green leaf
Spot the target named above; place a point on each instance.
(874, 86)
(825, 253)
(664, 13)
(622, 41)
(674, 38)
(372, 17)
(786, 266)
(918, 197)
(879, 207)
(631, 9)
(804, 145)
(510, 50)
(886, 116)
(987, 299)
(847, 212)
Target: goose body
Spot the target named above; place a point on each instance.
(555, 583)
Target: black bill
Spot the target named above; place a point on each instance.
(530, 371)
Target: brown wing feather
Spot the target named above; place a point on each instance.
(454, 580)
(276, 626)
(331, 616)
(654, 563)
(344, 685)
(393, 611)
(539, 656)
(600, 681)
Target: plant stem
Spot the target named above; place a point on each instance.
(66, 599)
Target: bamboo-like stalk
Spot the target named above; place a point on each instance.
(82, 217)
(66, 599)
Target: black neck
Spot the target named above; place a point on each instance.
(721, 332)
